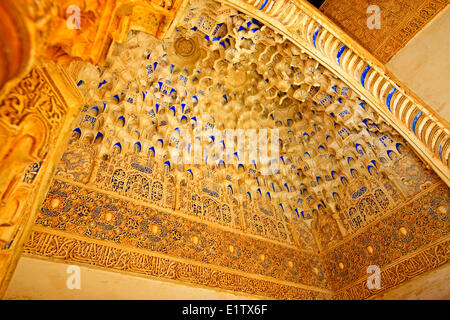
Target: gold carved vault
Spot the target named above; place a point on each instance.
(348, 190)
(400, 21)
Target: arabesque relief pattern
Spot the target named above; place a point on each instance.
(298, 21)
(131, 224)
(32, 115)
(117, 258)
(345, 175)
(400, 22)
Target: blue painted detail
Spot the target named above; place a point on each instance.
(339, 54)
(315, 35)
(415, 121)
(374, 163)
(440, 151)
(363, 76)
(95, 108)
(118, 145)
(80, 83)
(254, 21)
(139, 145)
(263, 4)
(362, 105)
(389, 97)
(101, 83)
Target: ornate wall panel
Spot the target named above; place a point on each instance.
(73, 210)
(401, 20)
(420, 225)
(298, 21)
(73, 250)
(34, 122)
(349, 190)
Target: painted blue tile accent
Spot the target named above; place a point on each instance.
(263, 5)
(415, 121)
(440, 151)
(363, 76)
(389, 97)
(339, 54)
(315, 35)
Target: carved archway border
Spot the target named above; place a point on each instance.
(310, 30)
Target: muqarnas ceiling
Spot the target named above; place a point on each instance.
(342, 174)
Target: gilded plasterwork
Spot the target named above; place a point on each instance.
(34, 118)
(344, 191)
(348, 192)
(401, 20)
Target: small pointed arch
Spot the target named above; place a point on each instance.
(151, 152)
(98, 138)
(190, 174)
(400, 148)
(359, 148)
(391, 154)
(333, 174)
(117, 147)
(121, 121)
(94, 111)
(137, 147)
(76, 133)
(344, 180)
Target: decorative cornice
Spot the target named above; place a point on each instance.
(393, 275)
(401, 20)
(309, 29)
(57, 246)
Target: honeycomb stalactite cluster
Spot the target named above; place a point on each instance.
(144, 183)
